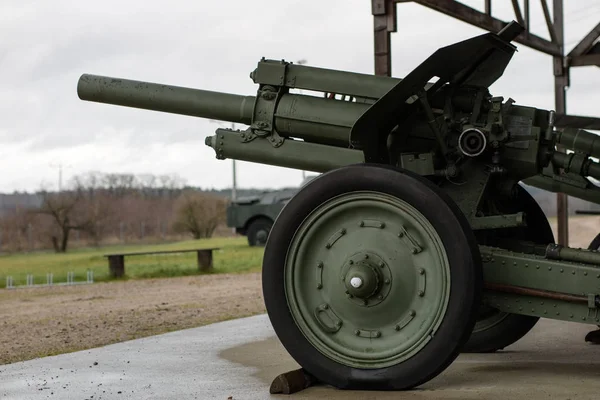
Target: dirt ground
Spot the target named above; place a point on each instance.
(45, 321)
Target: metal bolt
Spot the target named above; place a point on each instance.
(380, 297)
(350, 296)
(537, 267)
(320, 264)
(585, 273)
(361, 223)
(319, 286)
(343, 232)
(382, 225)
(400, 234)
(421, 293)
(387, 281)
(366, 256)
(549, 268)
(365, 302)
(562, 270)
(357, 332)
(338, 324)
(356, 282)
(381, 264)
(412, 313)
(573, 272)
(377, 334)
(325, 306)
(351, 262)
(328, 246)
(415, 251)
(397, 327)
(421, 271)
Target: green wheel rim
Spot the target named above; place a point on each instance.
(367, 280)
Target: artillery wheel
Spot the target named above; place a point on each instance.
(372, 278)
(258, 231)
(494, 329)
(595, 244)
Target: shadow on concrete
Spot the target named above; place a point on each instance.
(523, 371)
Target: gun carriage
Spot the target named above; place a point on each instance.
(418, 241)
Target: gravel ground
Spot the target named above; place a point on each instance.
(45, 321)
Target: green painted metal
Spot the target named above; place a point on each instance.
(291, 154)
(439, 121)
(402, 272)
(537, 272)
(262, 210)
(166, 98)
(544, 308)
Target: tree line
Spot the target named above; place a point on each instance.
(105, 208)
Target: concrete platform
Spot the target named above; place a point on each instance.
(238, 359)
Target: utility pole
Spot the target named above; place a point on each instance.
(60, 171)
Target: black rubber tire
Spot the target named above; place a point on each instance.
(514, 326)
(255, 227)
(465, 275)
(595, 244)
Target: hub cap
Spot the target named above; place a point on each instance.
(367, 279)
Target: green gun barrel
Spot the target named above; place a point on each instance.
(311, 118)
(580, 140)
(166, 98)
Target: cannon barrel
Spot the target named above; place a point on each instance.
(580, 140)
(166, 98)
(311, 118)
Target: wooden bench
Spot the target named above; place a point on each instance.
(116, 262)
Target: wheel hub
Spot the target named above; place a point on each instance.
(367, 279)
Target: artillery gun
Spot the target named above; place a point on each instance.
(417, 242)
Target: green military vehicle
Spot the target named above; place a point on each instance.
(253, 216)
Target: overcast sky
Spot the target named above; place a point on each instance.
(46, 45)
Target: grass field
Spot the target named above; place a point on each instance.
(234, 256)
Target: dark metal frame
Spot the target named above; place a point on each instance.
(587, 52)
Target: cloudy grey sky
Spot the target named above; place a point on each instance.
(46, 45)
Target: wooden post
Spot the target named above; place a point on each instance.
(205, 260)
(116, 266)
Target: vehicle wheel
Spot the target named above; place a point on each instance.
(372, 278)
(495, 329)
(595, 244)
(258, 231)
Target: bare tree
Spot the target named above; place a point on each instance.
(65, 210)
(199, 214)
